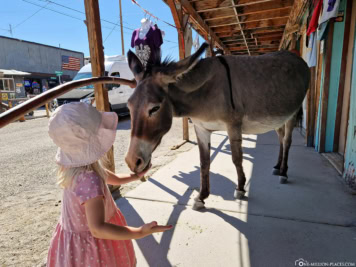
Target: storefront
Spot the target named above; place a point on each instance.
(326, 37)
(12, 84)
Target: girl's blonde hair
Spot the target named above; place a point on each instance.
(67, 176)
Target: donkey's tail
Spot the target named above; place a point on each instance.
(299, 118)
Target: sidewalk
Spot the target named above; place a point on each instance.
(312, 217)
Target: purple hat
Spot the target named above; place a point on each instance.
(83, 134)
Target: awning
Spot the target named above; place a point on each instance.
(240, 27)
(13, 72)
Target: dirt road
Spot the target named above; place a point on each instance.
(29, 197)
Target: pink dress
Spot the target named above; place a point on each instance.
(72, 243)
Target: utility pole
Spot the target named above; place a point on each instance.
(10, 30)
(122, 31)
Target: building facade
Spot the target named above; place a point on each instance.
(40, 62)
(330, 106)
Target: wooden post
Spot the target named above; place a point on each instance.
(97, 62)
(325, 97)
(0, 100)
(311, 109)
(340, 97)
(22, 119)
(47, 110)
(317, 87)
(177, 13)
(122, 30)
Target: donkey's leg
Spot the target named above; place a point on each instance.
(235, 136)
(280, 132)
(287, 141)
(203, 137)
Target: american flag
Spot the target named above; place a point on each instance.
(70, 63)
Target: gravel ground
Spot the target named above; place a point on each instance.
(30, 199)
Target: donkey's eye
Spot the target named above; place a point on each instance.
(153, 110)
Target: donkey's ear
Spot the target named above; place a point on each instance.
(135, 66)
(174, 71)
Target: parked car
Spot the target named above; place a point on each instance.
(116, 66)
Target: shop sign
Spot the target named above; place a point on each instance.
(19, 84)
(5, 96)
(53, 78)
(27, 83)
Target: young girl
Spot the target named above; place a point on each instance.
(91, 230)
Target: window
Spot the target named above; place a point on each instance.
(7, 84)
(114, 85)
(84, 75)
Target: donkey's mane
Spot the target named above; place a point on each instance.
(157, 63)
(168, 64)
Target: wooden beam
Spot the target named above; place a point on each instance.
(340, 96)
(250, 10)
(270, 24)
(319, 68)
(177, 13)
(39, 100)
(299, 6)
(96, 52)
(264, 47)
(325, 97)
(0, 102)
(251, 13)
(263, 38)
(252, 32)
(311, 109)
(234, 6)
(241, 29)
(97, 63)
(248, 21)
(204, 27)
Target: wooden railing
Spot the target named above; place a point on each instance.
(40, 100)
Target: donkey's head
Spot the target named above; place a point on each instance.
(150, 107)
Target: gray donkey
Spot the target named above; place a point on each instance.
(239, 94)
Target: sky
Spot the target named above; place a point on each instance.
(31, 20)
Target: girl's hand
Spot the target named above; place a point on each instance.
(153, 227)
(140, 174)
(124, 178)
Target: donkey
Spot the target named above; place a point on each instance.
(239, 94)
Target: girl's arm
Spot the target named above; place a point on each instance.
(95, 213)
(119, 179)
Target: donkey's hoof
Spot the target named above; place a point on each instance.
(283, 179)
(276, 171)
(239, 194)
(198, 205)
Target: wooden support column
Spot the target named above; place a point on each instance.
(177, 13)
(97, 62)
(340, 96)
(325, 97)
(0, 101)
(47, 110)
(311, 109)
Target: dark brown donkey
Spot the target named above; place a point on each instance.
(239, 94)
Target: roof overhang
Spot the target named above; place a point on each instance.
(13, 73)
(240, 27)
